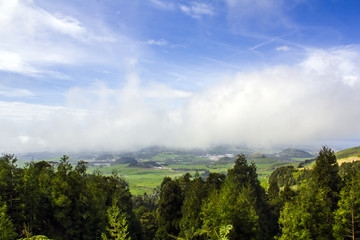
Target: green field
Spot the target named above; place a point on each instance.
(300, 159)
(143, 180)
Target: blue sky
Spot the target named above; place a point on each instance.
(114, 75)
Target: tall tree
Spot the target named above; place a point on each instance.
(169, 209)
(61, 201)
(347, 217)
(326, 175)
(233, 206)
(241, 202)
(118, 229)
(307, 216)
(148, 222)
(119, 194)
(195, 194)
(36, 192)
(10, 187)
(310, 214)
(7, 230)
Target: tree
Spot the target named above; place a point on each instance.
(195, 193)
(10, 188)
(241, 202)
(273, 190)
(307, 216)
(214, 181)
(7, 230)
(347, 216)
(119, 194)
(61, 201)
(36, 192)
(118, 229)
(231, 206)
(287, 194)
(148, 222)
(169, 209)
(326, 175)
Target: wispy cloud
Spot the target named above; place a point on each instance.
(15, 92)
(283, 48)
(160, 42)
(193, 9)
(197, 10)
(163, 4)
(248, 17)
(264, 43)
(33, 39)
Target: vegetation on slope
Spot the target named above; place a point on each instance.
(350, 152)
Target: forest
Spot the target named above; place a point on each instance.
(46, 200)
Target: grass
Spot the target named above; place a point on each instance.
(140, 180)
(350, 152)
(348, 159)
(300, 159)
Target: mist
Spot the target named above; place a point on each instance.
(314, 100)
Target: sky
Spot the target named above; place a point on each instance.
(111, 75)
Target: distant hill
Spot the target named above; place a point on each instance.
(125, 160)
(224, 160)
(147, 164)
(293, 153)
(256, 156)
(348, 155)
(104, 156)
(350, 152)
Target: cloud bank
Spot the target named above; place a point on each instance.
(314, 100)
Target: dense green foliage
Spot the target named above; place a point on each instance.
(310, 214)
(347, 216)
(288, 175)
(60, 202)
(65, 202)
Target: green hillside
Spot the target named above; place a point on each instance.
(350, 152)
(294, 153)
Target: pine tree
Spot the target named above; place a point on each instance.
(169, 209)
(7, 230)
(195, 193)
(347, 217)
(118, 228)
(10, 188)
(307, 216)
(326, 175)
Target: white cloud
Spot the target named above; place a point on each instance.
(197, 10)
(343, 63)
(193, 9)
(161, 42)
(314, 100)
(33, 40)
(283, 48)
(14, 62)
(163, 5)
